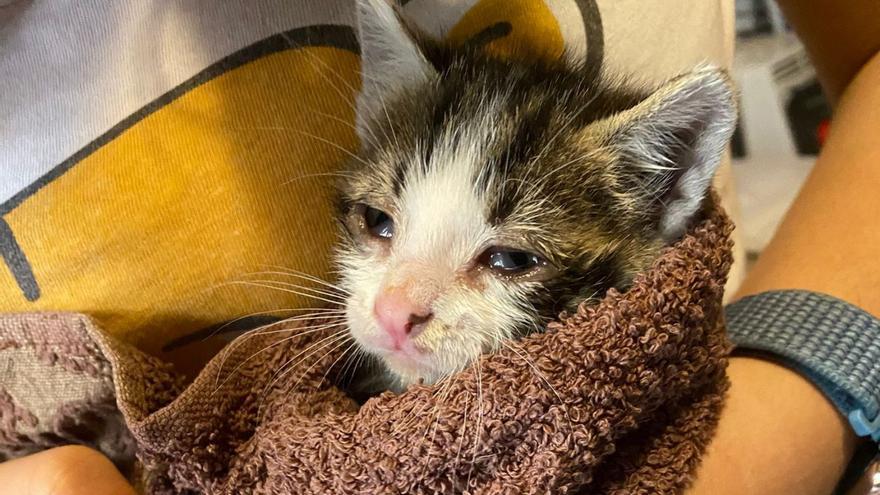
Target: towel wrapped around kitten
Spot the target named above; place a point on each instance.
(488, 197)
(620, 397)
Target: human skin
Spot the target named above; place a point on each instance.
(778, 434)
(72, 470)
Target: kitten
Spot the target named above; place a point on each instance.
(492, 194)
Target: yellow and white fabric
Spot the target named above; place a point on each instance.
(153, 154)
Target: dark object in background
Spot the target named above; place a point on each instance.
(738, 141)
(752, 18)
(808, 113)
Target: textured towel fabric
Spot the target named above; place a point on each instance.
(620, 397)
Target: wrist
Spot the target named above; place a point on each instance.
(777, 435)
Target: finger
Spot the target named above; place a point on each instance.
(72, 470)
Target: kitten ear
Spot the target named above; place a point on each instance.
(390, 60)
(673, 141)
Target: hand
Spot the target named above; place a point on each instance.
(71, 470)
(777, 435)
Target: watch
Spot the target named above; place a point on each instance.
(831, 342)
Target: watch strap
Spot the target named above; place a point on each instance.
(834, 343)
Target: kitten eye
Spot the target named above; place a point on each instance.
(378, 223)
(510, 261)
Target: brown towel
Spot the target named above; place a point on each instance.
(621, 397)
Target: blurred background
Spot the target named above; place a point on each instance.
(783, 121)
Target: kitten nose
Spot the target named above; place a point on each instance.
(399, 316)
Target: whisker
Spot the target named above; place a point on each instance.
(309, 351)
(284, 370)
(268, 286)
(462, 430)
(477, 432)
(334, 145)
(291, 272)
(271, 311)
(372, 137)
(327, 371)
(351, 360)
(437, 408)
(311, 176)
(446, 387)
(372, 115)
(264, 330)
(334, 117)
(323, 377)
(317, 60)
(349, 99)
(509, 345)
(361, 357)
(311, 330)
(323, 292)
(413, 415)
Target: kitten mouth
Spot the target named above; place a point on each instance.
(409, 360)
(385, 346)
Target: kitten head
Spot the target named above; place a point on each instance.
(491, 194)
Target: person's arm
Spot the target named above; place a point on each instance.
(829, 239)
(71, 470)
(778, 434)
(840, 37)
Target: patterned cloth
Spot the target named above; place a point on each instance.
(154, 155)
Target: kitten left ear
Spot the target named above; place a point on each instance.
(391, 60)
(673, 142)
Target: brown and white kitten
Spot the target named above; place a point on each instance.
(491, 194)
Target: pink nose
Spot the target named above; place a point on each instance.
(399, 316)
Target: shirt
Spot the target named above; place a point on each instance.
(166, 166)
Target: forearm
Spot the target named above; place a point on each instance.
(778, 434)
(71, 470)
(840, 36)
(829, 239)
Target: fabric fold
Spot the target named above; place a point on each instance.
(620, 397)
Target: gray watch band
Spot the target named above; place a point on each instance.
(833, 343)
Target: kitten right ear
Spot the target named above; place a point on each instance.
(671, 143)
(390, 61)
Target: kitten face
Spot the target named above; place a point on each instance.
(450, 257)
(489, 195)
